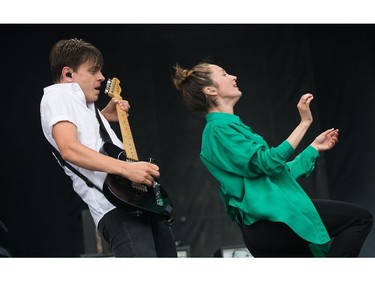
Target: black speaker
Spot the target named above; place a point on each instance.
(4, 252)
(237, 251)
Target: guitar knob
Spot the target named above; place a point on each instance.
(152, 160)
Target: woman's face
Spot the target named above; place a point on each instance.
(224, 83)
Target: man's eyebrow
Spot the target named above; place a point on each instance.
(94, 68)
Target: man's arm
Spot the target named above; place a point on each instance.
(65, 135)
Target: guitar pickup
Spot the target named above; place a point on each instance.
(139, 186)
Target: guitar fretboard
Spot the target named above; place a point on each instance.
(127, 137)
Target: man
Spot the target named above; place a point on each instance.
(70, 124)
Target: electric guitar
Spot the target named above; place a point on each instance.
(123, 193)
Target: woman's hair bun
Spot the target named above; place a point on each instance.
(181, 75)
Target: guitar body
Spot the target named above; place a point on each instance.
(132, 197)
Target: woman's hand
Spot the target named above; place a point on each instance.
(306, 119)
(326, 140)
(110, 112)
(304, 108)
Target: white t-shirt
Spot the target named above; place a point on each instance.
(66, 102)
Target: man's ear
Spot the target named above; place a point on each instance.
(66, 74)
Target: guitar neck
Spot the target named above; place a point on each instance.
(127, 137)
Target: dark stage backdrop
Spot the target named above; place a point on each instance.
(275, 65)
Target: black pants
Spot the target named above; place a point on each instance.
(348, 225)
(130, 235)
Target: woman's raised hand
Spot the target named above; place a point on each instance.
(304, 108)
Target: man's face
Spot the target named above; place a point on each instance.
(89, 77)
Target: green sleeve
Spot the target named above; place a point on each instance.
(244, 153)
(304, 163)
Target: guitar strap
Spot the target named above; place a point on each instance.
(103, 131)
(105, 136)
(63, 163)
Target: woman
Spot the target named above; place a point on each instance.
(257, 183)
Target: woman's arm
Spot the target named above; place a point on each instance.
(304, 163)
(306, 120)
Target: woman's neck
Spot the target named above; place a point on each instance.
(224, 109)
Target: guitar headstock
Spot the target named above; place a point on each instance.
(113, 88)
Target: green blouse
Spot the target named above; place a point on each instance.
(257, 180)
